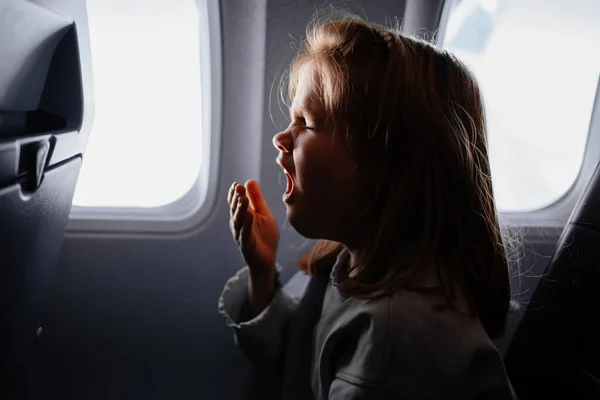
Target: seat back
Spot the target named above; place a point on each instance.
(41, 114)
(555, 352)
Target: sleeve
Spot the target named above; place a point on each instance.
(259, 338)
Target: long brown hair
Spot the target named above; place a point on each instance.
(414, 118)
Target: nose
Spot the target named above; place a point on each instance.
(283, 141)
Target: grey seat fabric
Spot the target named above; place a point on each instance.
(555, 352)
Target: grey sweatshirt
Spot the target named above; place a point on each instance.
(321, 345)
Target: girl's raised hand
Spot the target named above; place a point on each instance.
(254, 229)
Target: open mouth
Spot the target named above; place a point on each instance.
(290, 186)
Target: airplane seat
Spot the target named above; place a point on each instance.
(41, 114)
(555, 352)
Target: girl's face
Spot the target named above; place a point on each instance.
(324, 194)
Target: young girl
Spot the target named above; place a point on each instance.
(386, 163)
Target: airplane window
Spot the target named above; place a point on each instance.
(145, 145)
(538, 67)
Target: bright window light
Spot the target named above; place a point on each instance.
(538, 67)
(144, 149)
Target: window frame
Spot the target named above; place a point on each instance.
(192, 209)
(556, 214)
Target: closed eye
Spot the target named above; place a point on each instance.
(303, 122)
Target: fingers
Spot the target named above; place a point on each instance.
(239, 217)
(240, 198)
(230, 192)
(235, 192)
(257, 200)
(238, 209)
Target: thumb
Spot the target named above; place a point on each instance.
(257, 200)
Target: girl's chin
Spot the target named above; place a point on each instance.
(303, 224)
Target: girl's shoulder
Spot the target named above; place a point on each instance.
(410, 317)
(410, 342)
